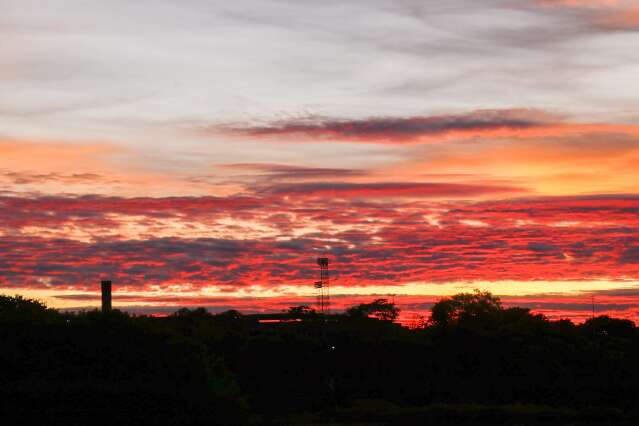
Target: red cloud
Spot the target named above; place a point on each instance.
(569, 238)
(370, 243)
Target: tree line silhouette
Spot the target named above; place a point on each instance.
(472, 362)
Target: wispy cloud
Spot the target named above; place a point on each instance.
(399, 129)
(604, 14)
(292, 172)
(388, 190)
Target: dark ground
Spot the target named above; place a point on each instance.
(479, 364)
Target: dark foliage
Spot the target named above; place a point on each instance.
(381, 309)
(108, 369)
(474, 363)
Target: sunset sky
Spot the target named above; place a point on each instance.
(204, 153)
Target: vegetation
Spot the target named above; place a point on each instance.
(380, 309)
(474, 362)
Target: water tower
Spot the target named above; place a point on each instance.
(106, 295)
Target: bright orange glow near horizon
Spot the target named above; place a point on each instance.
(576, 301)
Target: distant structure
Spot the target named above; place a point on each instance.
(323, 287)
(106, 296)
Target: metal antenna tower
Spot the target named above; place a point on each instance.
(323, 287)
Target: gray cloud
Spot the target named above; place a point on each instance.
(630, 255)
(386, 189)
(283, 171)
(25, 178)
(399, 129)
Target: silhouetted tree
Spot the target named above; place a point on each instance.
(231, 314)
(461, 308)
(301, 311)
(81, 367)
(380, 309)
(489, 365)
(192, 313)
(18, 308)
(609, 327)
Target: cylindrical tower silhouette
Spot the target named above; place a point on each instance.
(106, 296)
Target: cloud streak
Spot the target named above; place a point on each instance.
(399, 129)
(508, 124)
(388, 190)
(606, 15)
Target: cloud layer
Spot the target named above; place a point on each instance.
(73, 242)
(194, 152)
